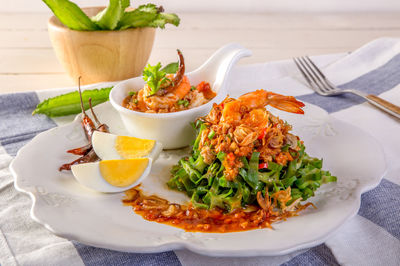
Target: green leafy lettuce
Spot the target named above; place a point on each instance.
(109, 17)
(71, 15)
(139, 17)
(208, 187)
(113, 17)
(165, 18)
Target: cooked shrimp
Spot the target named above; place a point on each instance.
(256, 118)
(176, 80)
(243, 126)
(175, 93)
(167, 101)
(233, 111)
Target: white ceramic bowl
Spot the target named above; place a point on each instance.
(173, 130)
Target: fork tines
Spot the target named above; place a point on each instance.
(313, 75)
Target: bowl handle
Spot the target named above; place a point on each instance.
(221, 63)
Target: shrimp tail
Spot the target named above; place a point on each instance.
(170, 86)
(285, 103)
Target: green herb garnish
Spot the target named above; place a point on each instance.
(193, 88)
(171, 68)
(185, 103)
(154, 76)
(211, 134)
(69, 103)
(113, 17)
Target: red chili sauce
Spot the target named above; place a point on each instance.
(154, 208)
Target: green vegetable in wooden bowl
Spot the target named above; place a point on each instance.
(114, 17)
(105, 43)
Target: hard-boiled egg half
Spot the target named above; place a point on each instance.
(112, 175)
(112, 147)
(126, 161)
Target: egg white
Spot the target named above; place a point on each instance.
(104, 146)
(89, 175)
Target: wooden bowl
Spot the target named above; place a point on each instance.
(99, 56)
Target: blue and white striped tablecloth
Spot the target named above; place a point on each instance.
(370, 238)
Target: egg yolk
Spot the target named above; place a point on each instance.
(122, 173)
(131, 147)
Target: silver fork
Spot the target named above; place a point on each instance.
(321, 85)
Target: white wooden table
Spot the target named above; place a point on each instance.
(27, 60)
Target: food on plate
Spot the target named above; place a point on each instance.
(113, 17)
(124, 159)
(165, 93)
(112, 175)
(69, 103)
(244, 153)
(246, 170)
(86, 152)
(112, 147)
(195, 219)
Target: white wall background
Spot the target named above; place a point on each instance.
(229, 5)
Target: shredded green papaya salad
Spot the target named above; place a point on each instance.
(245, 156)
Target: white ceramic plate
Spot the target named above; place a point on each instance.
(69, 210)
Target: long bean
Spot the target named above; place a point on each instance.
(68, 104)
